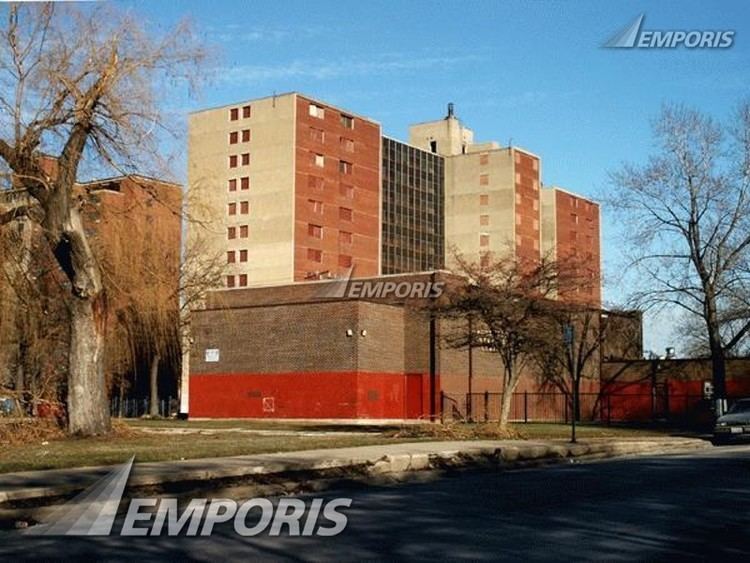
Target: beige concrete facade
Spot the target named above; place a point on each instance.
(491, 193)
(269, 194)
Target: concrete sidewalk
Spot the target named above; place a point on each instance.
(52, 485)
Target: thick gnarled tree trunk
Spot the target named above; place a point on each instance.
(87, 392)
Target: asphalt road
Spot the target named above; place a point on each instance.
(694, 506)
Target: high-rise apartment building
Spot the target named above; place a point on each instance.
(570, 234)
(492, 201)
(413, 236)
(289, 188)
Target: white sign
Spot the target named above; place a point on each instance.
(212, 354)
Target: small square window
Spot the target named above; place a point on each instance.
(484, 220)
(345, 167)
(230, 281)
(345, 214)
(484, 240)
(345, 237)
(232, 208)
(484, 199)
(231, 233)
(316, 111)
(317, 135)
(347, 144)
(245, 158)
(484, 179)
(233, 161)
(230, 257)
(484, 158)
(234, 114)
(243, 255)
(245, 111)
(314, 255)
(243, 280)
(246, 135)
(315, 182)
(315, 205)
(315, 231)
(319, 160)
(346, 191)
(347, 121)
(233, 185)
(234, 138)
(244, 231)
(244, 207)
(245, 183)
(345, 261)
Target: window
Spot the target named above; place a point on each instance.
(232, 233)
(574, 218)
(233, 161)
(347, 144)
(244, 207)
(315, 205)
(317, 111)
(345, 167)
(230, 281)
(518, 218)
(234, 114)
(536, 224)
(245, 111)
(244, 231)
(245, 183)
(234, 138)
(230, 257)
(485, 260)
(345, 261)
(245, 158)
(243, 280)
(484, 220)
(245, 135)
(314, 255)
(232, 208)
(433, 146)
(345, 214)
(317, 135)
(345, 237)
(347, 191)
(484, 158)
(243, 255)
(315, 183)
(484, 239)
(233, 185)
(315, 231)
(484, 179)
(319, 160)
(484, 199)
(347, 121)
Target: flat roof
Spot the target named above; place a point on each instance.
(283, 95)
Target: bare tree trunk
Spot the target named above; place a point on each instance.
(153, 409)
(506, 400)
(88, 412)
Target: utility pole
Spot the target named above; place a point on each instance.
(568, 339)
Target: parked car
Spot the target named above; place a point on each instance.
(735, 425)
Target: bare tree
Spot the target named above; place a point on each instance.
(506, 299)
(688, 211)
(85, 85)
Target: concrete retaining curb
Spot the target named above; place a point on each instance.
(40, 488)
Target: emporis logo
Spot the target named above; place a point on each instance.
(634, 37)
(345, 287)
(93, 512)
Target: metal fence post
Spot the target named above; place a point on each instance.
(442, 407)
(525, 407)
(486, 406)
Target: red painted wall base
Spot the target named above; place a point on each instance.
(311, 395)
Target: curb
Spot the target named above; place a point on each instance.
(302, 467)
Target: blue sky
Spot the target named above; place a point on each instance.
(531, 71)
